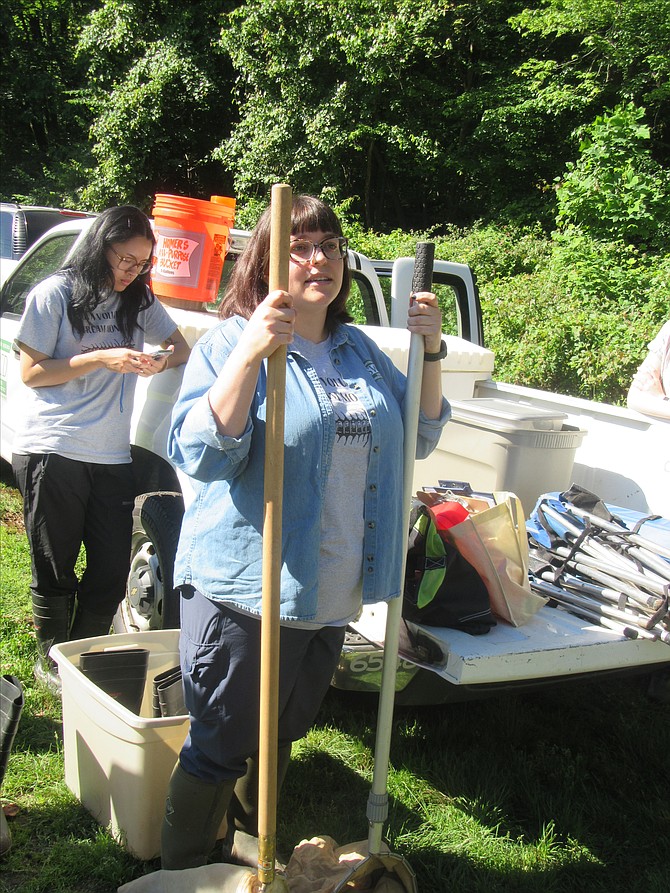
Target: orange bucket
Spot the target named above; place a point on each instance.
(191, 245)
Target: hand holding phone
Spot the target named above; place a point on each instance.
(158, 354)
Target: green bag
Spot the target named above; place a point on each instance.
(441, 587)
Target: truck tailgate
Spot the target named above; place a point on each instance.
(553, 643)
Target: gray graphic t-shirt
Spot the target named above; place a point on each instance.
(341, 559)
(88, 418)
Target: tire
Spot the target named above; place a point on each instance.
(151, 601)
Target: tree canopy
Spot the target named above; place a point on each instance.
(529, 138)
(418, 114)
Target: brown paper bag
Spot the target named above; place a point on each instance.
(494, 541)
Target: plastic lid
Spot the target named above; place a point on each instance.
(506, 414)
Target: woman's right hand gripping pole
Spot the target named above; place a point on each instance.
(270, 325)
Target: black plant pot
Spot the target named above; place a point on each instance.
(11, 707)
(168, 693)
(121, 673)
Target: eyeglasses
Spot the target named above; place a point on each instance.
(130, 265)
(332, 249)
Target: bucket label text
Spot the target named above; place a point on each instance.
(173, 256)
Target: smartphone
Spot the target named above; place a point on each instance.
(157, 354)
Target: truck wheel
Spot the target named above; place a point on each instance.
(151, 602)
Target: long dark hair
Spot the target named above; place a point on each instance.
(92, 277)
(248, 284)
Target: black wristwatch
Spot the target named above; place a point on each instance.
(434, 357)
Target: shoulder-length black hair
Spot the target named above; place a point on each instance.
(248, 284)
(92, 277)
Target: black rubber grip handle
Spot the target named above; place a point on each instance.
(422, 279)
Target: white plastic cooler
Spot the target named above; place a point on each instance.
(497, 444)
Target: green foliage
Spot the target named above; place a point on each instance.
(305, 82)
(497, 251)
(580, 323)
(492, 251)
(158, 98)
(588, 56)
(420, 115)
(376, 107)
(570, 314)
(43, 130)
(615, 190)
(248, 213)
(469, 107)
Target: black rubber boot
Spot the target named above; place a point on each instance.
(51, 616)
(11, 707)
(240, 845)
(87, 625)
(194, 811)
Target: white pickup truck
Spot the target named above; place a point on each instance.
(501, 437)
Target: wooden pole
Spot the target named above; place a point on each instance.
(280, 233)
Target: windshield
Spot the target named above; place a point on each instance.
(48, 258)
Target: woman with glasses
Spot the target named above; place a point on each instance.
(343, 530)
(81, 345)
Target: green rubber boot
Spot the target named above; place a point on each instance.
(194, 811)
(87, 625)
(240, 845)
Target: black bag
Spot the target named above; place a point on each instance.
(441, 587)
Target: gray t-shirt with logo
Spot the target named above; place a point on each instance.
(342, 522)
(88, 418)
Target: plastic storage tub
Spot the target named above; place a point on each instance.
(497, 444)
(116, 762)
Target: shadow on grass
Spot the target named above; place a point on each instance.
(535, 791)
(311, 802)
(311, 805)
(38, 733)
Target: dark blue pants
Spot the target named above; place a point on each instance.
(220, 658)
(67, 503)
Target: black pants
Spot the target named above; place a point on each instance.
(220, 657)
(67, 503)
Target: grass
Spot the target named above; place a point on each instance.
(561, 791)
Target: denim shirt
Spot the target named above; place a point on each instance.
(220, 546)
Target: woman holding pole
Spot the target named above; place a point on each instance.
(343, 526)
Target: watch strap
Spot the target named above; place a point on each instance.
(434, 357)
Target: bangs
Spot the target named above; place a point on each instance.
(310, 214)
(248, 284)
